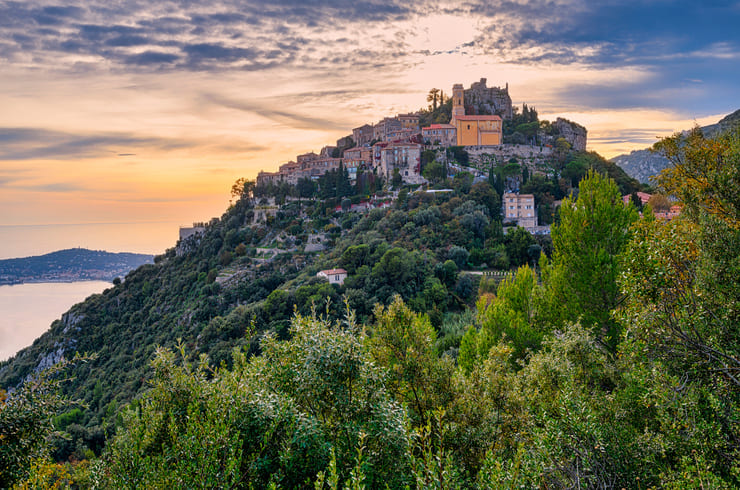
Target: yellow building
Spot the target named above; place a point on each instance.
(473, 130)
(478, 130)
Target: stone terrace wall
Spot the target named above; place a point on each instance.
(531, 155)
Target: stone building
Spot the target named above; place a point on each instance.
(335, 276)
(440, 134)
(409, 121)
(362, 135)
(384, 127)
(405, 157)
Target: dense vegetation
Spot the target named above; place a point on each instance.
(610, 361)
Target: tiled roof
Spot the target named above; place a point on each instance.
(330, 272)
(478, 118)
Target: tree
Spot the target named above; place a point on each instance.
(483, 193)
(243, 188)
(26, 422)
(403, 342)
(396, 179)
(434, 171)
(517, 242)
(593, 231)
(280, 418)
(681, 278)
(306, 188)
(433, 97)
(511, 316)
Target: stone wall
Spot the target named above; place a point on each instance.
(532, 155)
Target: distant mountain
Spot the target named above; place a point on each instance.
(74, 264)
(643, 164)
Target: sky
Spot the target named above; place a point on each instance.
(143, 112)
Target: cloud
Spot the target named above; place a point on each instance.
(21, 144)
(678, 41)
(150, 58)
(61, 187)
(35, 143)
(232, 34)
(627, 32)
(267, 110)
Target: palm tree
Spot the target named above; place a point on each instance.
(433, 97)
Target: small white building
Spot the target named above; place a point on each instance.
(335, 276)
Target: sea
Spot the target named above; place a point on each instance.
(27, 310)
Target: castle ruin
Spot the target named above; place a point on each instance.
(481, 99)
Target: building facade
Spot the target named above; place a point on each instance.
(362, 135)
(474, 130)
(479, 130)
(404, 157)
(440, 134)
(520, 209)
(335, 276)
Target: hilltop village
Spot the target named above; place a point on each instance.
(393, 149)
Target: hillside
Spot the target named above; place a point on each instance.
(74, 264)
(452, 350)
(253, 266)
(644, 164)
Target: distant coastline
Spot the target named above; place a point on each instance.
(70, 265)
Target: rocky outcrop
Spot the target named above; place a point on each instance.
(644, 164)
(480, 99)
(572, 132)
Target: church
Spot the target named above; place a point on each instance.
(474, 130)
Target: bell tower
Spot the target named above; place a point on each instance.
(458, 101)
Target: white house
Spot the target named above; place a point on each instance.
(335, 276)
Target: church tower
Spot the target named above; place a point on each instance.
(458, 101)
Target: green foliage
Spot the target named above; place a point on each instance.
(403, 342)
(275, 419)
(518, 242)
(27, 422)
(593, 231)
(511, 315)
(435, 172)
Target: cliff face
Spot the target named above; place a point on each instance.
(574, 133)
(481, 99)
(641, 164)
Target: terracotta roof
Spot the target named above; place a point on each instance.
(330, 272)
(478, 118)
(440, 126)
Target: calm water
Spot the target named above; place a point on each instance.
(27, 310)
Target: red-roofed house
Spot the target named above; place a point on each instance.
(335, 276)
